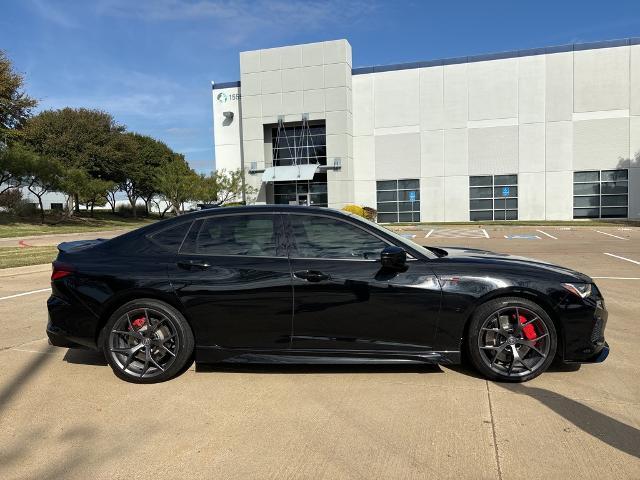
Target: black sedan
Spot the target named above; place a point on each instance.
(286, 284)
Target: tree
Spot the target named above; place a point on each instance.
(41, 176)
(13, 163)
(110, 196)
(78, 139)
(94, 192)
(221, 187)
(141, 159)
(177, 183)
(15, 104)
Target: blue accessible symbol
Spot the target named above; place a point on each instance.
(412, 196)
(506, 191)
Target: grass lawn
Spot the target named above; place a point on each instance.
(19, 257)
(22, 227)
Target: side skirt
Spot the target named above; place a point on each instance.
(333, 357)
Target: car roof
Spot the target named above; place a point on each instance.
(262, 208)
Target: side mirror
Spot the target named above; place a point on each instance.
(394, 258)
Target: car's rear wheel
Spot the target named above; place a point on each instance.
(147, 341)
(511, 339)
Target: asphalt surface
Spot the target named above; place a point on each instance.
(63, 414)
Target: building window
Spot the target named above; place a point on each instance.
(601, 194)
(398, 200)
(493, 197)
(55, 206)
(306, 192)
(299, 144)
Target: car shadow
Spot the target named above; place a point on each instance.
(613, 432)
(84, 357)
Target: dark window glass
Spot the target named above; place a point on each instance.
(251, 235)
(409, 206)
(614, 175)
(323, 237)
(615, 187)
(586, 201)
(480, 192)
(405, 195)
(586, 176)
(408, 184)
(505, 180)
(586, 213)
(171, 238)
(387, 217)
(387, 185)
(511, 215)
(614, 212)
(318, 187)
(586, 188)
(482, 215)
(388, 207)
(480, 181)
(614, 200)
(480, 204)
(409, 217)
(318, 199)
(384, 196)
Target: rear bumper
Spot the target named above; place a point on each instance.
(70, 326)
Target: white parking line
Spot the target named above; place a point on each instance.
(26, 293)
(616, 278)
(622, 258)
(545, 233)
(485, 233)
(611, 235)
(429, 234)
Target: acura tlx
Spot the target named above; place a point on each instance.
(285, 284)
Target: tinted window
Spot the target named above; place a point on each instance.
(171, 238)
(252, 235)
(323, 237)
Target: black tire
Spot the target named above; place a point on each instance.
(495, 346)
(147, 341)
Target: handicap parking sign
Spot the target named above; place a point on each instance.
(506, 191)
(412, 196)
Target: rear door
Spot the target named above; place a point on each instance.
(232, 276)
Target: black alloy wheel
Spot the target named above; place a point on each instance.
(511, 339)
(147, 341)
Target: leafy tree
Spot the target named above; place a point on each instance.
(141, 159)
(78, 139)
(177, 183)
(15, 104)
(94, 192)
(221, 187)
(14, 160)
(41, 176)
(110, 196)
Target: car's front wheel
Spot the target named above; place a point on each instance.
(147, 341)
(511, 339)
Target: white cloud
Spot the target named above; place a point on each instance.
(239, 20)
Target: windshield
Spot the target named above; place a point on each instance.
(404, 241)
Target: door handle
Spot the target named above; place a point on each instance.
(193, 265)
(311, 275)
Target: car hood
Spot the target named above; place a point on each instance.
(474, 254)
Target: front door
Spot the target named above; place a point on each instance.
(343, 300)
(232, 276)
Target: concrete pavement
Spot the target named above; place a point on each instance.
(63, 414)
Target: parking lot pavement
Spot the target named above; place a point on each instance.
(63, 414)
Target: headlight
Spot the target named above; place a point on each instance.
(582, 290)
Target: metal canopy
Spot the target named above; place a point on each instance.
(288, 173)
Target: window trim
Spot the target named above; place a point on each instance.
(493, 198)
(397, 190)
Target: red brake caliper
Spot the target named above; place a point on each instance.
(138, 323)
(529, 331)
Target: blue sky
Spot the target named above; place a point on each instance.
(151, 62)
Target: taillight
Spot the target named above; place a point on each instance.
(60, 270)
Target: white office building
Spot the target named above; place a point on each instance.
(544, 134)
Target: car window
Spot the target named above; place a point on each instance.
(251, 235)
(324, 237)
(171, 238)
